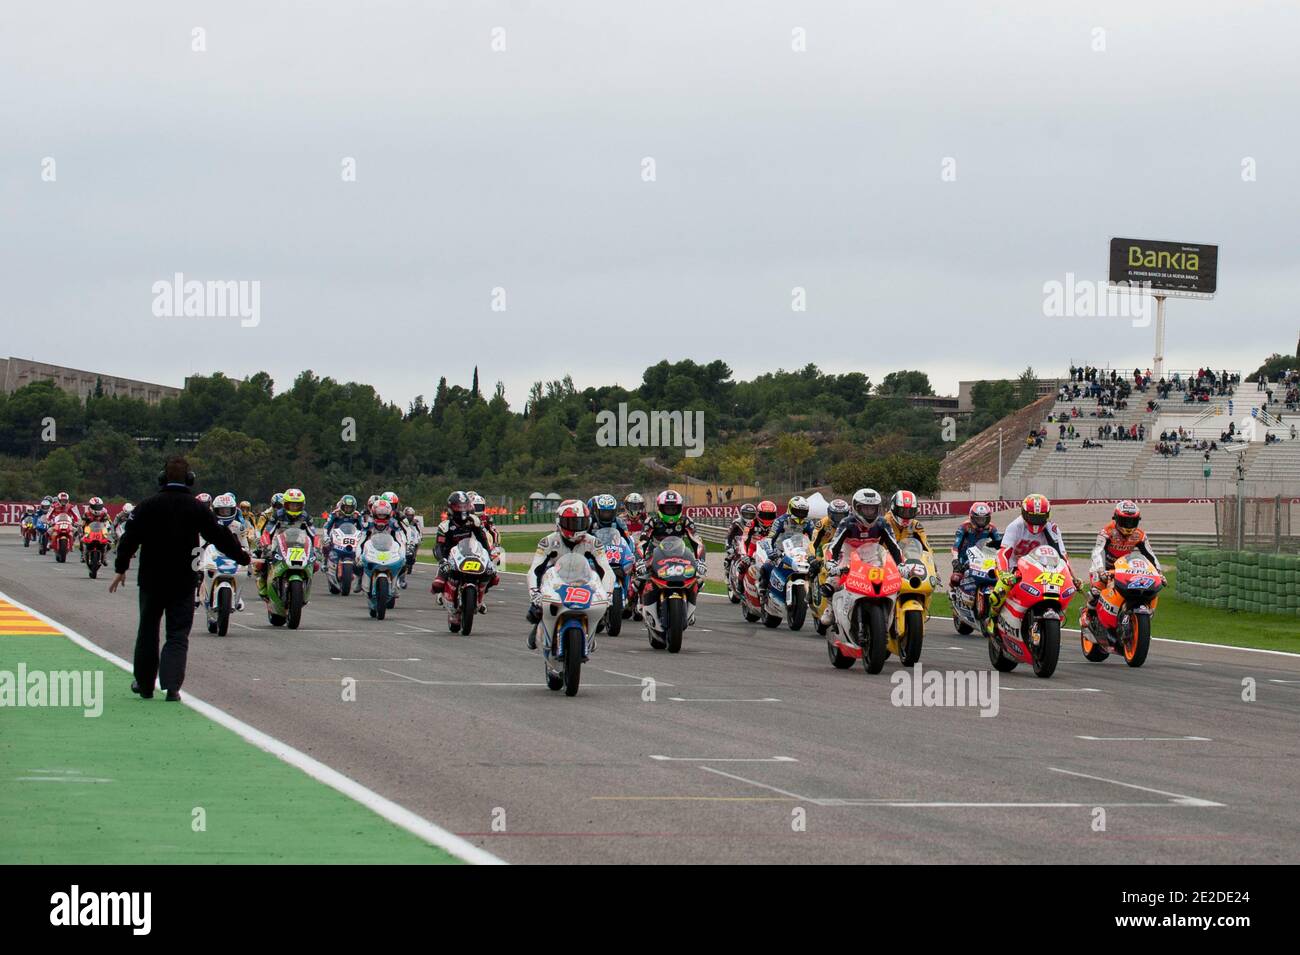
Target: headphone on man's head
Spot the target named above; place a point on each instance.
(189, 477)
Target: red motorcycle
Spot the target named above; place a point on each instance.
(1121, 622)
(1028, 627)
(94, 544)
(61, 538)
(674, 574)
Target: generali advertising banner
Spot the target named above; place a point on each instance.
(726, 512)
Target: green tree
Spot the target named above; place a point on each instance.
(60, 472)
(905, 383)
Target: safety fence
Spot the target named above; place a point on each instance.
(1239, 580)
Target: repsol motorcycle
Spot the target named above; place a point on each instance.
(1121, 621)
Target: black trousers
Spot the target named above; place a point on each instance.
(178, 607)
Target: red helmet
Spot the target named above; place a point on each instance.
(380, 513)
(980, 514)
(766, 513)
(1127, 517)
(204, 499)
(1035, 509)
(904, 507)
(63, 497)
(571, 519)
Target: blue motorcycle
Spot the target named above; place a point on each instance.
(621, 559)
(341, 559)
(969, 599)
(787, 588)
(384, 558)
(43, 534)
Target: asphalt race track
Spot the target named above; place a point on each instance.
(754, 748)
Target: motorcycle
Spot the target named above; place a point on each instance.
(673, 573)
(862, 608)
(969, 599)
(384, 558)
(29, 529)
(573, 600)
(42, 535)
(471, 569)
(1121, 621)
(733, 564)
(95, 544)
(219, 593)
(413, 537)
(787, 587)
(747, 571)
(621, 559)
(342, 566)
(1028, 625)
(61, 537)
(917, 581)
(288, 584)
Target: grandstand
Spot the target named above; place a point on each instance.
(1217, 427)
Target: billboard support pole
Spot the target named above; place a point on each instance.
(1158, 367)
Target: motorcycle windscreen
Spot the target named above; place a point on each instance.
(470, 556)
(383, 543)
(295, 544)
(673, 547)
(793, 541)
(573, 569)
(346, 530)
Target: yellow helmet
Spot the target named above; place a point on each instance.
(295, 502)
(798, 508)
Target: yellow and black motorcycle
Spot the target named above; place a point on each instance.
(907, 630)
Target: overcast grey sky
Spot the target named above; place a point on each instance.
(522, 169)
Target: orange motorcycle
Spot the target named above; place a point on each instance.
(1121, 621)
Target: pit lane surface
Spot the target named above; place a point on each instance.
(754, 749)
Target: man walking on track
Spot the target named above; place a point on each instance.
(166, 528)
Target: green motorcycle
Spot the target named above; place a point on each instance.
(288, 581)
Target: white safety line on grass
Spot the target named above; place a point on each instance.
(382, 806)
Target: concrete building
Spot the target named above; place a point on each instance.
(17, 372)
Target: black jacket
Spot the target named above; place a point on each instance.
(166, 529)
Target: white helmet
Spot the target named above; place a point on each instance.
(225, 507)
(128, 507)
(866, 504)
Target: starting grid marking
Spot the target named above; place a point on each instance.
(17, 622)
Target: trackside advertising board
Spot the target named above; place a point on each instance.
(942, 509)
(1176, 268)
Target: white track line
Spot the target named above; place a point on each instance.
(1179, 798)
(725, 759)
(683, 699)
(1147, 739)
(382, 806)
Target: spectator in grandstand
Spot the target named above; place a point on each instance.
(1060, 445)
